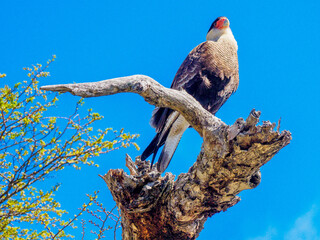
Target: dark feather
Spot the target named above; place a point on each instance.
(159, 118)
(154, 146)
(176, 130)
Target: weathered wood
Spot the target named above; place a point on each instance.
(155, 207)
(151, 91)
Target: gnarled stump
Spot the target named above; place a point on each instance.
(155, 207)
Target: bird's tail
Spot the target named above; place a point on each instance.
(154, 146)
(171, 143)
(169, 136)
(161, 136)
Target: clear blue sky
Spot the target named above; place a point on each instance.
(279, 63)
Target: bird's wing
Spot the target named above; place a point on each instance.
(187, 71)
(209, 74)
(190, 67)
(214, 60)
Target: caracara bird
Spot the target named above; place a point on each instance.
(210, 74)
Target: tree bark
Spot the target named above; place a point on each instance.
(156, 207)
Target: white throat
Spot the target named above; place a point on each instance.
(216, 34)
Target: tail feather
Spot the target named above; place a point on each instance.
(167, 153)
(171, 143)
(159, 118)
(169, 135)
(151, 148)
(154, 146)
(160, 137)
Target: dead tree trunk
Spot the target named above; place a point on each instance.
(155, 207)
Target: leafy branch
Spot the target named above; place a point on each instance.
(34, 144)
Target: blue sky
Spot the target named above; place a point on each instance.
(279, 63)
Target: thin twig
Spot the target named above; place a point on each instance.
(72, 220)
(115, 227)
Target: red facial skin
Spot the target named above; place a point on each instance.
(220, 23)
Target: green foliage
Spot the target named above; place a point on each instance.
(33, 145)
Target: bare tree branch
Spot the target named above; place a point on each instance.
(151, 91)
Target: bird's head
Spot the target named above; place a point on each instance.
(219, 27)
